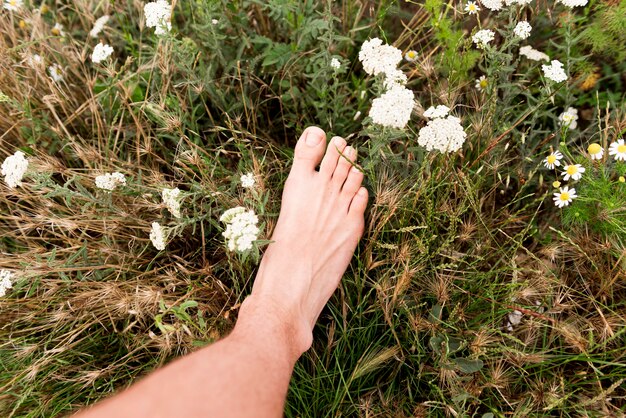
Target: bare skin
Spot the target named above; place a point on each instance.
(247, 373)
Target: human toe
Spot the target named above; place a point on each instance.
(329, 162)
(345, 163)
(309, 149)
(352, 183)
(359, 203)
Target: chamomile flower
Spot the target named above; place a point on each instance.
(13, 169)
(57, 30)
(554, 71)
(569, 118)
(483, 37)
(472, 8)
(101, 52)
(564, 197)
(553, 160)
(247, 180)
(157, 236)
(6, 283)
(13, 5)
(575, 171)
(618, 150)
(522, 29)
(481, 83)
(595, 150)
(410, 55)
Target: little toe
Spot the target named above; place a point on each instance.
(344, 165)
(352, 183)
(329, 162)
(309, 149)
(359, 203)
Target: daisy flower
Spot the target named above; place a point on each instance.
(472, 8)
(57, 30)
(575, 171)
(595, 151)
(13, 5)
(564, 197)
(569, 118)
(56, 72)
(618, 149)
(410, 56)
(553, 160)
(481, 83)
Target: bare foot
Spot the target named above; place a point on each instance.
(320, 224)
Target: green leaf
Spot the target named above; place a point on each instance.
(467, 365)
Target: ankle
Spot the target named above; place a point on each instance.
(264, 315)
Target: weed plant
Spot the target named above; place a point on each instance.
(470, 294)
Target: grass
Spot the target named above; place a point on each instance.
(453, 243)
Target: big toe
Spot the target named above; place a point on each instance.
(309, 150)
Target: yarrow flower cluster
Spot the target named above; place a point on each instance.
(393, 108)
(522, 29)
(569, 118)
(444, 133)
(172, 201)
(483, 37)
(157, 236)
(247, 181)
(98, 26)
(533, 54)
(554, 71)
(573, 3)
(13, 5)
(158, 15)
(520, 2)
(335, 64)
(5, 281)
(618, 150)
(110, 181)
(13, 169)
(378, 58)
(241, 228)
(494, 5)
(101, 52)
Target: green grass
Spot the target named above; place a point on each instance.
(453, 243)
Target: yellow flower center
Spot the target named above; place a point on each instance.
(621, 149)
(556, 184)
(564, 196)
(22, 24)
(12, 2)
(594, 148)
(622, 179)
(44, 8)
(55, 31)
(472, 7)
(483, 83)
(572, 169)
(551, 159)
(411, 54)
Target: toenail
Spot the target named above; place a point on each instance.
(312, 139)
(339, 141)
(355, 169)
(349, 152)
(362, 191)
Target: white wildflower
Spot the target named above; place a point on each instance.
(440, 111)
(335, 64)
(522, 29)
(172, 201)
(573, 3)
(241, 228)
(394, 77)
(110, 181)
(520, 2)
(569, 118)
(13, 169)
(410, 56)
(34, 60)
(378, 58)
(481, 83)
(393, 109)
(215, 21)
(98, 26)
(247, 180)
(158, 15)
(553, 160)
(472, 8)
(101, 52)
(564, 197)
(56, 72)
(554, 71)
(483, 37)
(575, 171)
(13, 5)
(5, 281)
(57, 30)
(595, 150)
(515, 317)
(618, 149)
(494, 5)
(533, 54)
(442, 134)
(157, 236)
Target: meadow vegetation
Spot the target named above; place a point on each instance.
(470, 294)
